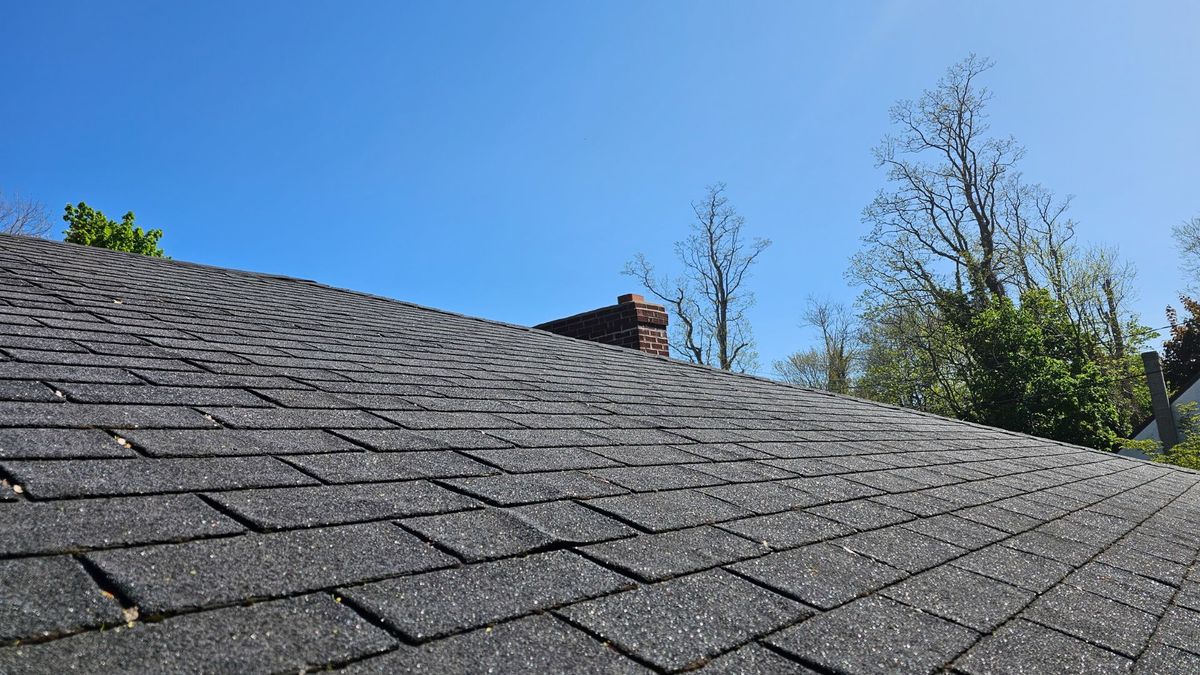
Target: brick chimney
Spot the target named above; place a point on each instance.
(632, 322)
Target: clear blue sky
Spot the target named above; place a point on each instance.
(504, 159)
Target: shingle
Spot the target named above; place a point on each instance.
(661, 511)
(537, 644)
(105, 477)
(23, 390)
(644, 455)
(1000, 519)
(788, 529)
(281, 508)
(678, 623)
(964, 597)
(723, 452)
(754, 659)
(159, 395)
(1179, 628)
(388, 440)
(830, 489)
(295, 398)
(648, 478)
(362, 467)
(429, 605)
(548, 438)
(746, 471)
(761, 497)
(1065, 551)
(229, 442)
(295, 418)
(862, 514)
(509, 490)
(59, 444)
(495, 533)
(60, 373)
(190, 575)
(1117, 584)
(661, 556)
(1023, 647)
(876, 635)
(1133, 560)
(1161, 659)
(901, 548)
(81, 415)
(1093, 618)
(60, 526)
(43, 596)
(821, 575)
(425, 419)
(523, 460)
(284, 636)
(957, 531)
(1015, 567)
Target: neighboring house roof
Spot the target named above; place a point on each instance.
(1188, 393)
(224, 471)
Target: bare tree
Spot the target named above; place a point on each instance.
(939, 227)
(23, 217)
(1187, 240)
(831, 365)
(708, 297)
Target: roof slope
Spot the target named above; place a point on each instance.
(216, 470)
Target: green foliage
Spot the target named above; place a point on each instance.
(1187, 452)
(1181, 353)
(91, 227)
(1033, 372)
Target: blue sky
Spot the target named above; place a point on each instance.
(504, 159)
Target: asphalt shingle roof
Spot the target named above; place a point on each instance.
(213, 470)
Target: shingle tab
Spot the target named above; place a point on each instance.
(1023, 647)
(227, 442)
(290, 507)
(361, 467)
(970, 599)
(307, 632)
(821, 575)
(82, 415)
(678, 623)
(661, 511)
(44, 596)
(788, 529)
(494, 533)
(59, 444)
(660, 556)
(876, 635)
(538, 644)
(428, 605)
(105, 477)
(1094, 619)
(56, 527)
(222, 571)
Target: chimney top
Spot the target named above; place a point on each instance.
(632, 323)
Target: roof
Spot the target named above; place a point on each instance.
(212, 470)
(1187, 392)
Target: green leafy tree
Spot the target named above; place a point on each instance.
(1186, 453)
(1035, 372)
(91, 227)
(1181, 353)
